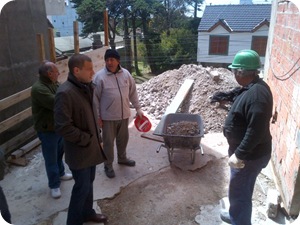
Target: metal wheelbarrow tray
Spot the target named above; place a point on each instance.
(182, 142)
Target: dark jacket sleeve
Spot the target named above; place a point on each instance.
(257, 127)
(64, 125)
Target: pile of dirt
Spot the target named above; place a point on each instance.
(157, 93)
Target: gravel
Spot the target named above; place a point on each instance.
(157, 93)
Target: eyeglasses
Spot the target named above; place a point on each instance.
(236, 71)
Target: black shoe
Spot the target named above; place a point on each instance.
(127, 162)
(110, 173)
(97, 218)
(224, 215)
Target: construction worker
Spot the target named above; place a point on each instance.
(247, 130)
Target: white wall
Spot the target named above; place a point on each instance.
(237, 41)
(55, 7)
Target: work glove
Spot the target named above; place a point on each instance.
(236, 163)
(139, 113)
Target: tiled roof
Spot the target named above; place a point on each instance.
(239, 18)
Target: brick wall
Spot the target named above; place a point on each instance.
(283, 76)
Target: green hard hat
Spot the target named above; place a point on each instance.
(246, 59)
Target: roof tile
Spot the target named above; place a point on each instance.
(240, 18)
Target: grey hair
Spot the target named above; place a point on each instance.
(45, 68)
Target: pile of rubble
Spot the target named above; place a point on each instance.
(157, 93)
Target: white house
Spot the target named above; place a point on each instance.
(226, 29)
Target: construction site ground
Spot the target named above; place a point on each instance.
(155, 191)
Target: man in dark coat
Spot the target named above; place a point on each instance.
(76, 121)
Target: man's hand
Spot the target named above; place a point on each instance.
(236, 163)
(140, 113)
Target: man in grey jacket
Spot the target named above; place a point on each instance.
(115, 90)
(76, 121)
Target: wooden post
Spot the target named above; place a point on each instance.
(41, 47)
(76, 37)
(105, 28)
(52, 45)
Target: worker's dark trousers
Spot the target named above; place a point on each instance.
(111, 131)
(81, 203)
(241, 188)
(4, 207)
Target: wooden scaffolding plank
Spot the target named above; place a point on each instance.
(16, 141)
(172, 108)
(15, 98)
(180, 96)
(26, 148)
(10, 122)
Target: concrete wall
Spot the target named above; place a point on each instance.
(283, 75)
(20, 21)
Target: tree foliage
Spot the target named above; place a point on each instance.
(90, 13)
(164, 23)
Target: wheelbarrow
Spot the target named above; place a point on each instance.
(180, 143)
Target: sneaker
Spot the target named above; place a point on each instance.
(66, 176)
(127, 162)
(224, 215)
(110, 173)
(55, 193)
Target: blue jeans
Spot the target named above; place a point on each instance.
(4, 207)
(53, 151)
(241, 188)
(81, 203)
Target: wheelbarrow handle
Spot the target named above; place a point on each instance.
(159, 147)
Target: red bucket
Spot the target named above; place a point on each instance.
(142, 124)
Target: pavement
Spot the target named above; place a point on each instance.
(29, 197)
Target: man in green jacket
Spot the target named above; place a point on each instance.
(42, 97)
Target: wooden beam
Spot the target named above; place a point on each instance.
(180, 96)
(41, 47)
(10, 122)
(52, 45)
(18, 161)
(18, 140)
(172, 108)
(15, 98)
(26, 148)
(105, 28)
(76, 37)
